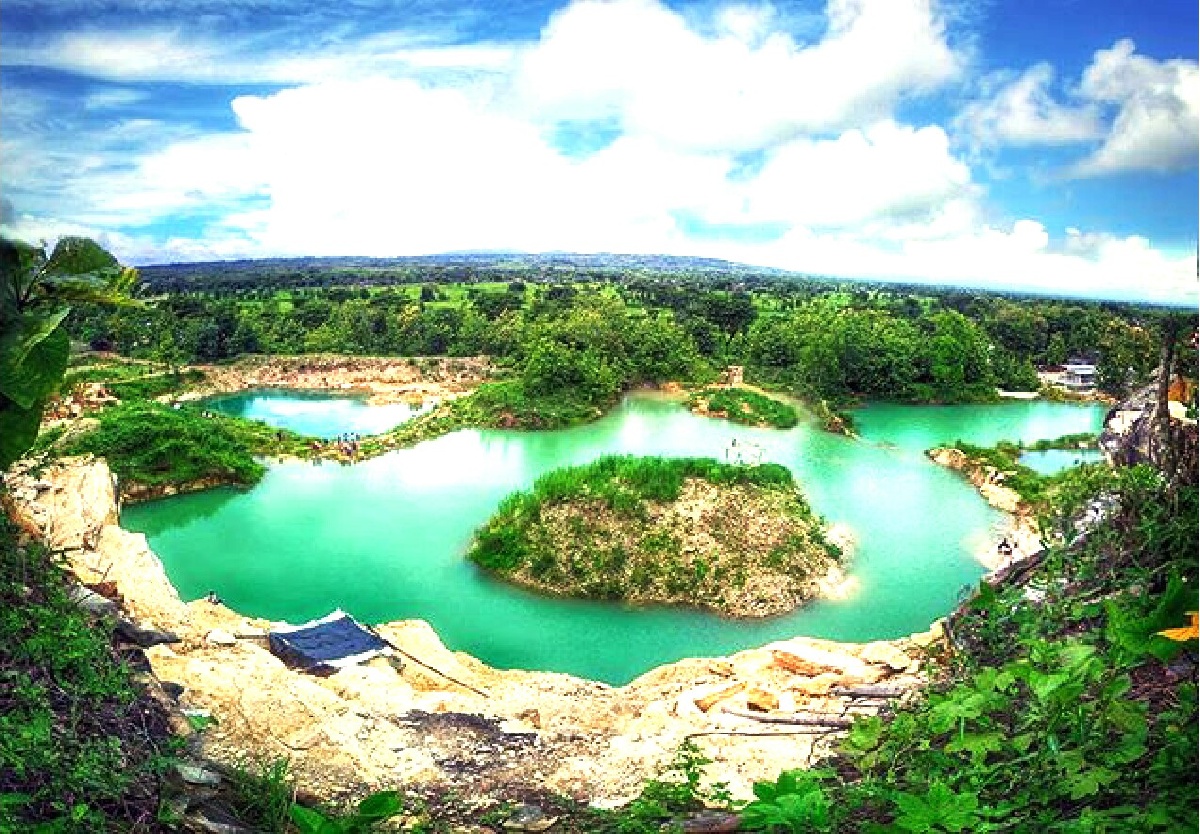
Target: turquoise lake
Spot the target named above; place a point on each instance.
(314, 413)
(385, 539)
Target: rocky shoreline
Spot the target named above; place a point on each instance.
(1021, 532)
(390, 725)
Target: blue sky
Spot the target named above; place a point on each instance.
(1046, 145)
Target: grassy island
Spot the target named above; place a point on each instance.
(739, 540)
(744, 406)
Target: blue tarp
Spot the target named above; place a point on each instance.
(336, 640)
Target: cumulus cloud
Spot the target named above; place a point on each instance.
(743, 88)
(393, 146)
(886, 170)
(1157, 126)
(1022, 255)
(1143, 112)
(1024, 112)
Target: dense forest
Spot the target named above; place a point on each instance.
(588, 334)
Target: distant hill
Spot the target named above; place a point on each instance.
(452, 266)
(547, 267)
(495, 260)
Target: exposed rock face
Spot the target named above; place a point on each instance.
(385, 379)
(146, 492)
(67, 505)
(1129, 438)
(377, 725)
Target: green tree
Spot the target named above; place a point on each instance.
(732, 313)
(36, 293)
(1056, 349)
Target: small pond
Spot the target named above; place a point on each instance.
(314, 413)
(1051, 461)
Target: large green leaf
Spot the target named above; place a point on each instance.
(107, 288)
(20, 266)
(308, 821)
(18, 429)
(381, 805)
(33, 356)
(22, 335)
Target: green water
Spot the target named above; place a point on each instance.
(1050, 461)
(314, 413)
(384, 539)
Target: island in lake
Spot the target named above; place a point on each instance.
(738, 540)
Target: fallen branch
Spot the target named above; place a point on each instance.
(420, 662)
(867, 691)
(809, 731)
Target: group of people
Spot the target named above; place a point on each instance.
(348, 443)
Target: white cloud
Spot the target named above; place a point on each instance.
(393, 167)
(744, 88)
(1157, 126)
(169, 55)
(1021, 256)
(884, 171)
(113, 97)
(1144, 112)
(397, 147)
(129, 248)
(1024, 112)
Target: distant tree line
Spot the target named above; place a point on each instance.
(832, 340)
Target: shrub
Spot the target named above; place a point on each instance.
(148, 443)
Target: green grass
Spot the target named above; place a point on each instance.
(129, 380)
(151, 444)
(506, 404)
(151, 387)
(1005, 457)
(750, 408)
(1067, 441)
(107, 372)
(502, 405)
(75, 750)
